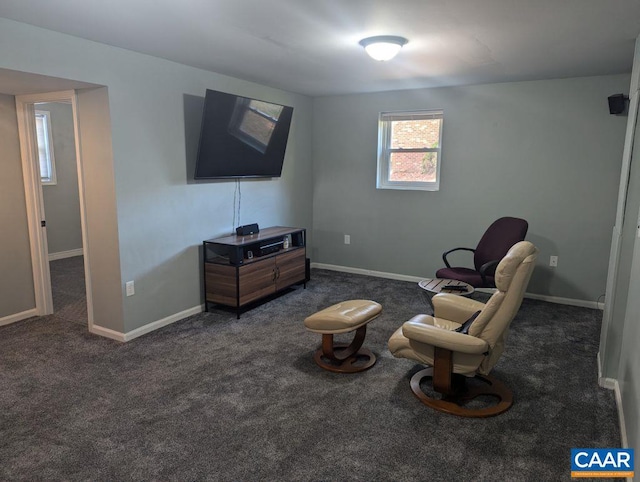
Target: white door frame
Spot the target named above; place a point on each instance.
(34, 199)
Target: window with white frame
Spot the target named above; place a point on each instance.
(45, 147)
(410, 150)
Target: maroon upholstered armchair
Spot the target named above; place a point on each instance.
(493, 246)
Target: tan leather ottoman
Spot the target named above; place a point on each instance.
(343, 318)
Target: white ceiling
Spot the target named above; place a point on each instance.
(311, 46)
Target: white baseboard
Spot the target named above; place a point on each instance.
(7, 320)
(130, 335)
(143, 330)
(566, 301)
(366, 272)
(107, 333)
(402, 277)
(66, 254)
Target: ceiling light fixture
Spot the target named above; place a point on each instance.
(383, 47)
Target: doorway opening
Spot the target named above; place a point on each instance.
(54, 191)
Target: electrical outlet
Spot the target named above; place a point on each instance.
(131, 290)
(347, 239)
(553, 261)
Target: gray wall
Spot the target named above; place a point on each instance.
(16, 276)
(162, 217)
(61, 200)
(547, 151)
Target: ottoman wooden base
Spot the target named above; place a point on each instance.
(342, 357)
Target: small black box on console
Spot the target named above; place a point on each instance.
(247, 229)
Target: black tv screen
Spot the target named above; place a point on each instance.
(241, 137)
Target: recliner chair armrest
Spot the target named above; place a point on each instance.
(444, 255)
(449, 340)
(454, 307)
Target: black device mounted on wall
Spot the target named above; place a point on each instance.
(247, 229)
(617, 103)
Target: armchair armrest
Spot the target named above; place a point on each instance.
(455, 308)
(444, 255)
(449, 340)
(485, 269)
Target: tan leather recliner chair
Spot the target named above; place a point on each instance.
(454, 356)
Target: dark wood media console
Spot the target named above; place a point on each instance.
(239, 270)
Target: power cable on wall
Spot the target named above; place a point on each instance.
(237, 200)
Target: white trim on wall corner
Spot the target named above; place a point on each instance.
(7, 320)
(612, 384)
(607, 383)
(66, 254)
(621, 422)
(402, 277)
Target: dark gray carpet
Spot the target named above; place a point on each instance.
(68, 289)
(215, 398)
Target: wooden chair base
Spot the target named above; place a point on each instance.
(462, 394)
(343, 357)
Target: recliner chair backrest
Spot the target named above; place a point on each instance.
(512, 277)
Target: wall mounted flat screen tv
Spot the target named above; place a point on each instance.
(241, 137)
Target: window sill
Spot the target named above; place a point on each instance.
(409, 186)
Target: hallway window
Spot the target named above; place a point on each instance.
(45, 147)
(409, 150)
